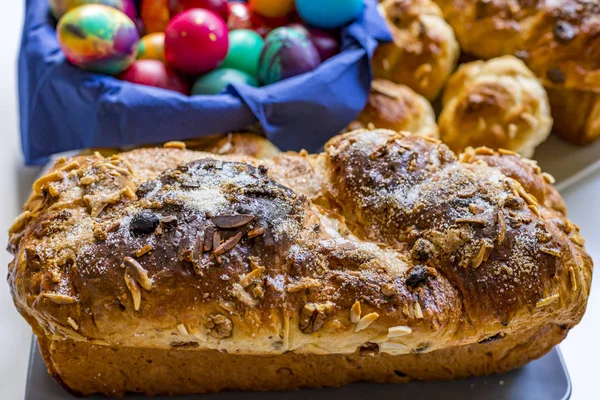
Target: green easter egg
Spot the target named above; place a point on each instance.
(216, 81)
(245, 47)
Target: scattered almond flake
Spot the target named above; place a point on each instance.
(254, 264)
(552, 252)
(548, 178)
(470, 220)
(573, 279)
(535, 210)
(88, 180)
(507, 152)
(128, 192)
(19, 222)
(476, 262)
(400, 330)
(303, 284)
(227, 245)
(405, 310)
(138, 273)
(144, 250)
(120, 170)
(365, 321)
(73, 324)
(545, 301)
(529, 198)
(475, 209)
(258, 292)
(355, 312)
(242, 296)
(256, 232)
(379, 339)
(175, 145)
(418, 311)
(182, 330)
(393, 348)
(486, 151)
(250, 277)
(502, 225)
(577, 239)
(232, 221)
(134, 289)
(59, 298)
(43, 182)
(53, 191)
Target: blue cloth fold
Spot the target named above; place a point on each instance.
(63, 108)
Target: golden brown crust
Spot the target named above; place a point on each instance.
(424, 51)
(558, 40)
(396, 107)
(85, 369)
(498, 104)
(175, 249)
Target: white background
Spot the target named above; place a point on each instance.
(581, 350)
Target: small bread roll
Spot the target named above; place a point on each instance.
(424, 51)
(498, 104)
(397, 107)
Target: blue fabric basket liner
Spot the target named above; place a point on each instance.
(64, 108)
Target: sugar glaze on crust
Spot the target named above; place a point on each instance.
(386, 242)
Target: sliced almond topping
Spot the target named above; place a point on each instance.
(88, 180)
(552, 252)
(303, 284)
(396, 331)
(529, 198)
(120, 170)
(485, 151)
(244, 297)
(128, 192)
(256, 232)
(134, 289)
(19, 222)
(502, 225)
(365, 321)
(208, 238)
(43, 182)
(470, 221)
(182, 330)
(577, 239)
(254, 264)
(394, 348)
(548, 300)
(252, 276)
(73, 324)
(139, 273)
(480, 256)
(418, 311)
(144, 250)
(548, 178)
(232, 221)
(573, 279)
(228, 244)
(405, 310)
(535, 210)
(507, 152)
(175, 145)
(59, 298)
(197, 253)
(355, 312)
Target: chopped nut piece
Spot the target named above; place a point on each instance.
(502, 226)
(144, 250)
(365, 321)
(19, 222)
(228, 244)
(252, 276)
(548, 178)
(545, 301)
(552, 252)
(573, 279)
(175, 145)
(480, 256)
(70, 166)
(418, 311)
(258, 292)
(475, 209)
(73, 324)
(43, 182)
(394, 348)
(397, 331)
(138, 272)
(232, 221)
(355, 312)
(485, 151)
(256, 232)
(507, 152)
(242, 296)
(302, 284)
(208, 238)
(59, 298)
(219, 326)
(314, 315)
(529, 198)
(88, 180)
(577, 239)
(134, 289)
(470, 220)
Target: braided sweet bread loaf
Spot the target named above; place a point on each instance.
(384, 259)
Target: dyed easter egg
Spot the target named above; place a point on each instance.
(216, 81)
(219, 7)
(245, 47)
(264, 25)
(60, 7)
(152, 47)
(287, 53)
(326, 44)
(196, 41)
(155, 15)
(154, 73)
(239, 15)
(272, 8)
(98, 38)
(330, 13)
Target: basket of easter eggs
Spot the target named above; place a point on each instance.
(113, 73)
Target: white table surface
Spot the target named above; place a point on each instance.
(581, 350)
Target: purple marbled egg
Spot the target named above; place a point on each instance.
(286, 53)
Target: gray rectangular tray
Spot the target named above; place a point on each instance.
(543, 379)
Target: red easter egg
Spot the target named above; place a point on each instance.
(154, 73)
(196, 41)
(239, 15)
(219, 7)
